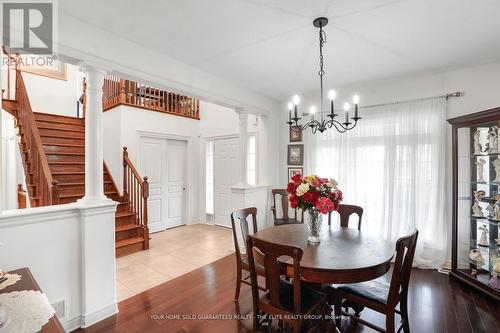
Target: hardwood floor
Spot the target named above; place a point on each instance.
(436, 304)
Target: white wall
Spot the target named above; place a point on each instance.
(69, 249)
(480, 84)
(55, 96)
(123, 126)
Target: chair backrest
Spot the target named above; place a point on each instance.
(269, 253)
(400, 280)
(345, 211)
(239, 219)
(282, 195)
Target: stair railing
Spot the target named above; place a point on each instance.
(45, 191)
(21, 197)
(117, 91)
(136, 192)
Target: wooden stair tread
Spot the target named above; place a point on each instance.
(50, 152)
(66, 162)
(71, 172)
(79, 195)
(55, 128)
(129, 241)
(126, 227)
(63, 144)
(123, 214)
(56, 121)
(81, 183)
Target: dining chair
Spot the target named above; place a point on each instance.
(289, 301)
(381, 296)
(239, 217)
(345, 211)
(283, 199)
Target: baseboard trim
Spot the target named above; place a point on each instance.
(96, 316)
(71, 324)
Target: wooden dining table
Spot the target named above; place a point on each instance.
(344, 255)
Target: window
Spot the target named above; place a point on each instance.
(252, 160)
(209, 176)
(393, 166)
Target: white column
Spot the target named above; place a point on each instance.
(3, 162)
(243, 134)
(94, 187)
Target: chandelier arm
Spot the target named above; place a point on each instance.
(312, 124)
(338, 125)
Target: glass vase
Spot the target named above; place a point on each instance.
(314, 224)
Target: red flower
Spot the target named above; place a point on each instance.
(294, 201)
(325, 205)
(297, 178)
(309, 197)
(291, 187)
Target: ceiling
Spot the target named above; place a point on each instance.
(271, 47)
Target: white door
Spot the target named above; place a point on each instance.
(176, 182)
(226, 166)
(164, 163)
(152, 163)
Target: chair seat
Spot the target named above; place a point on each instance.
(286, 221)
(376, 291)
(309, 298)
(258, 267)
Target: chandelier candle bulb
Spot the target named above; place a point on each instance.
(312, 110)
(355, 100)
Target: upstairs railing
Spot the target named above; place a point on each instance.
(136, 193)
(44, 191)
(118, 91)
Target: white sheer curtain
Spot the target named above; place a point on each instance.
(393, 165)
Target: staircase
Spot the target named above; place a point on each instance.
(53, 153)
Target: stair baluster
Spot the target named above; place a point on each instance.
(136, 193)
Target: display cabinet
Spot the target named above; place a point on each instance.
(476, 200)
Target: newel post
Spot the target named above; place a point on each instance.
(21, 197)
(145, 195)
(125, 180)
(55, 192)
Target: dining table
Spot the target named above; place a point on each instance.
(343, 255)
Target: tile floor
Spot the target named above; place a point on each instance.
(171, 253)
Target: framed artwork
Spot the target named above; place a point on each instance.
(295, 155)
(55, 69)
(293, 171)
(295, 134)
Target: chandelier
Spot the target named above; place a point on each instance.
(329, 120)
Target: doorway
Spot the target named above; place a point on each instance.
(226, 162)
(164, 161)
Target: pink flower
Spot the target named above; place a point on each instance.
(324, 205)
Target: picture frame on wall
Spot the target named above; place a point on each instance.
(55, 70)
(293, 171)
(295, 155)
(295, 134)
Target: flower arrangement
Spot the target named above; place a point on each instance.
(313, 193)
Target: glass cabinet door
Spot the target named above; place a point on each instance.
(478, 203)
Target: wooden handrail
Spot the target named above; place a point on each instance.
(117, 91)
(21, 197)
(136, 193)
(45, 191)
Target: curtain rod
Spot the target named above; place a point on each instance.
(446, 96)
